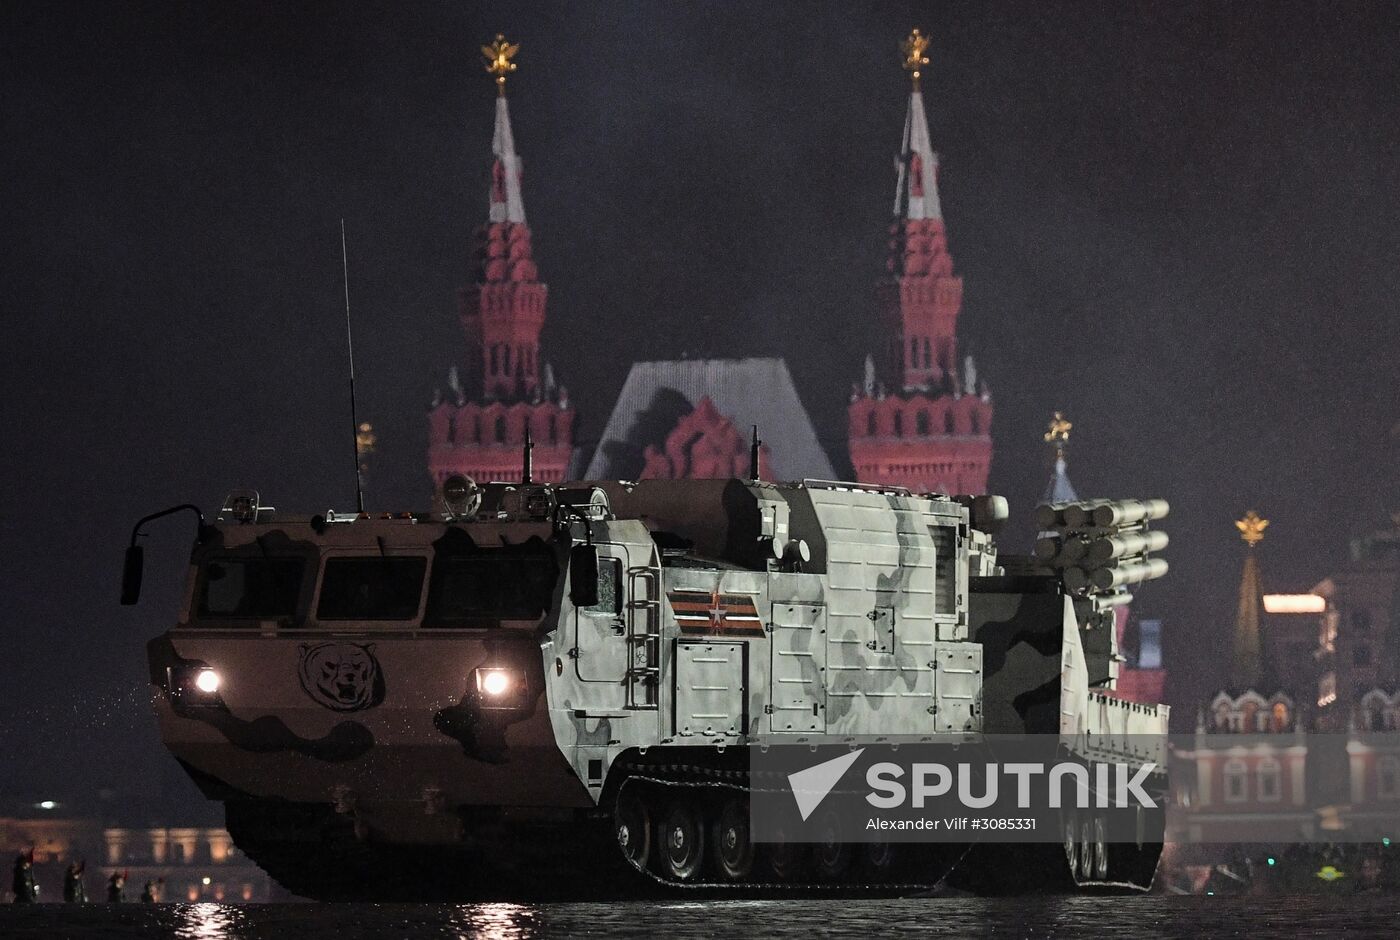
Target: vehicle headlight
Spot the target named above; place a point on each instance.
(195, 685)
(498, 687)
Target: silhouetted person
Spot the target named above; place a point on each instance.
(74, 891)
(148, 893)
(26, 891)
(115, 884)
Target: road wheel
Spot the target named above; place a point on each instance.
(632, 826)
(1071, 829)
(785, 859)
(732, 846)
(682, 843)
(1100, 848)
(1086, 849)
(878, 858)
(833, 855)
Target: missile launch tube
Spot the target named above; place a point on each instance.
(1076, 580)
(1075, 548)
(1049, 515)
(1066, 515)
(1105, 579)
(1121, 546)
(1105, 601)
(1080, 514)
(1122, 512)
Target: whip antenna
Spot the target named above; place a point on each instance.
(350, 353)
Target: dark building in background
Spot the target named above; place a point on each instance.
(1304, 745)
(1358, 647)
(190, 859)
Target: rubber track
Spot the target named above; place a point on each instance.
(696, 776)
(738, 781)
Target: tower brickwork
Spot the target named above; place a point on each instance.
(920, 418)
(506, 389)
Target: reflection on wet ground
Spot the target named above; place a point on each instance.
(947, 916)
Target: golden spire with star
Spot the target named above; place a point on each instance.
(914, 58)
(1057, 433)
(497, 59)
(1252, 528)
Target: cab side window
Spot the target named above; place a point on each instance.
(483, 588)
(609, 587)
(249, 588)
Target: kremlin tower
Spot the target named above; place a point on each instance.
(506, 390)
(920, 418)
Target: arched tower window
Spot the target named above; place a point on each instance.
(495, 359)
(921, 423)
(505, 361)
(948, 426)
(1280, 717)
(553, 430)
(928, 353)
(914, 353)
(870, 424)
(476, 429)
(976, 423)
(500, 430)
(899, 424)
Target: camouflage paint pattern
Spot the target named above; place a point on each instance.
(898, 622)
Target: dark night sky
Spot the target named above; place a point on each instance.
(1178, 223)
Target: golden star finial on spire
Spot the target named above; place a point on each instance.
(497, 58)
(914, 58)
(1057, 433)
(1252, 528)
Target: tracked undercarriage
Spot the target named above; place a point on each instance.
(569, 691)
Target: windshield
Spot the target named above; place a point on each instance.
(501, 584)
(378, 587)
(250, 588)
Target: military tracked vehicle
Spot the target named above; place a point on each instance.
(555, 690)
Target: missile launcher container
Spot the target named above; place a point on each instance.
(553, 691)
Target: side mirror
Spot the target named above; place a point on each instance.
(583, 575)
(131, 574)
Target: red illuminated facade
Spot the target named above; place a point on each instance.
(920, 418)
(506, 389)
(704, 445)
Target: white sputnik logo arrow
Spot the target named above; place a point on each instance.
(810, 786)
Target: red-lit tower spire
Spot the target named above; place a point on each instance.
(479, 427)
(920, 418)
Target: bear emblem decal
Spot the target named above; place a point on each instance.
(344, 677)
